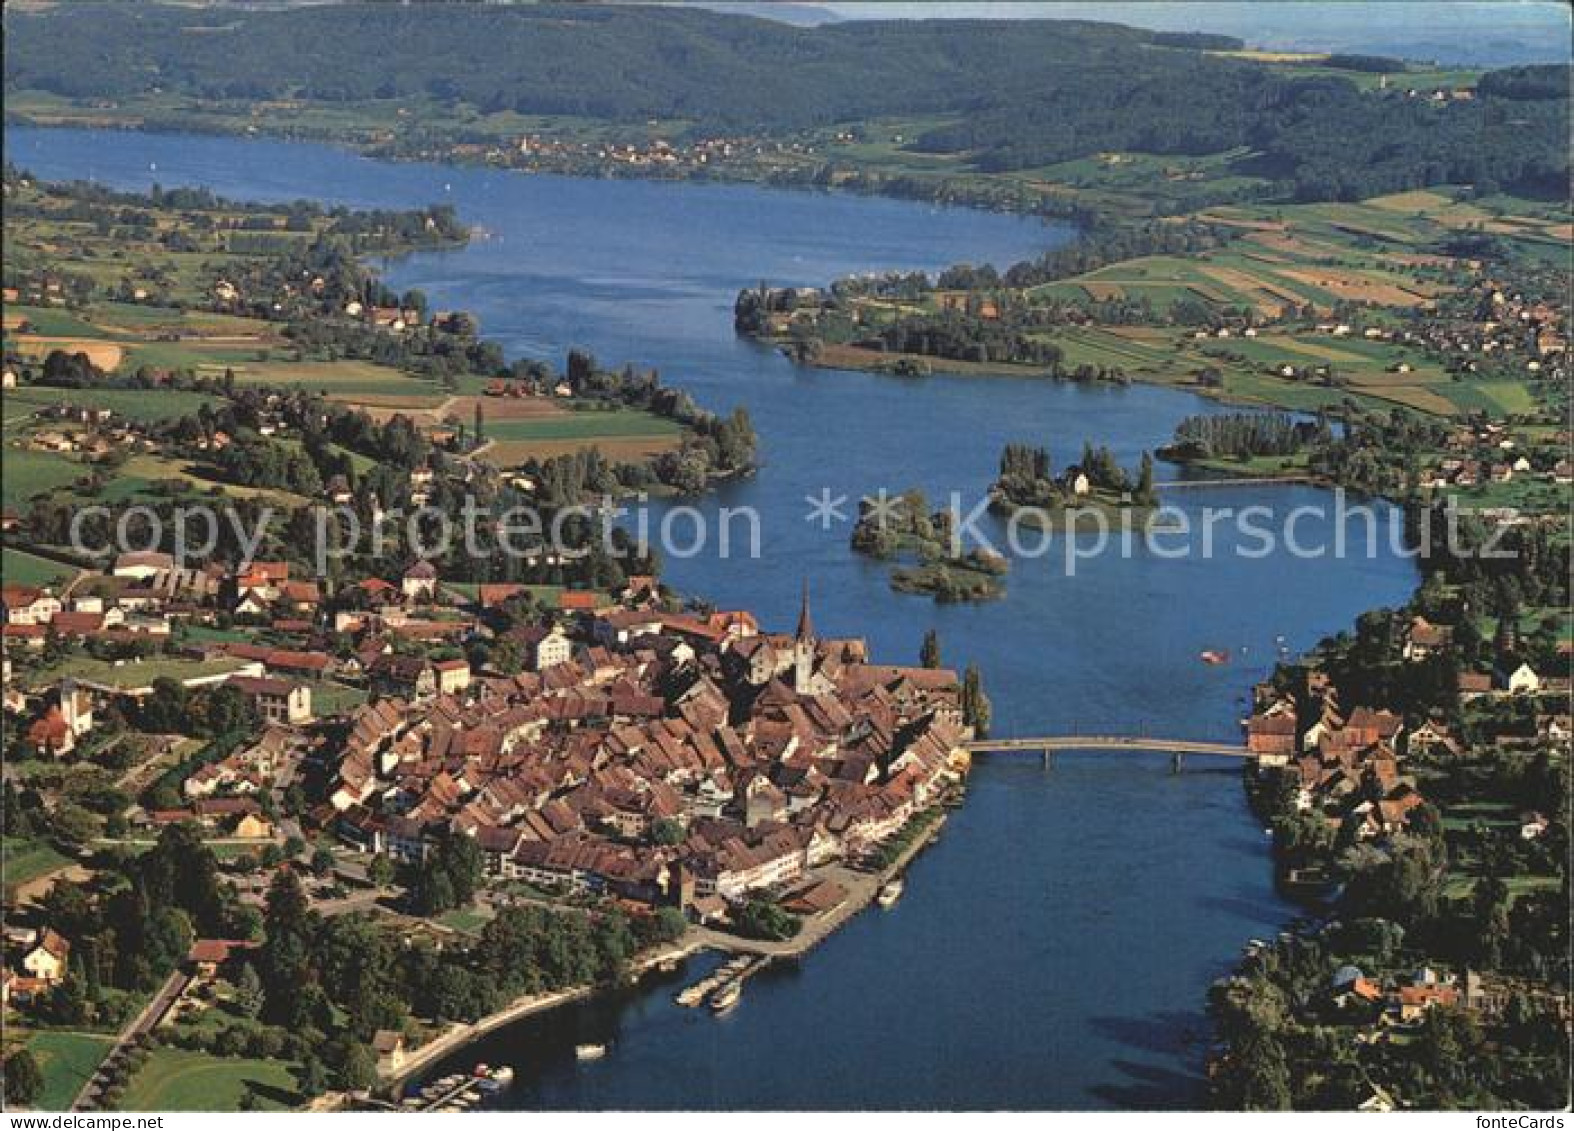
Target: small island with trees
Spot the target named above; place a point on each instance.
(1093, 489)
(903, 528)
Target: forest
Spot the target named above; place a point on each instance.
(1009, 97)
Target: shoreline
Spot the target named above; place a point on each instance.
(372, 150)
(696, 940)
(461, 1034)
(856, 359)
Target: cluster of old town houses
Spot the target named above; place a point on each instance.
(669, 757)
(661, 757)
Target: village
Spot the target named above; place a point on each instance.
(634, 754)
(1366, 803)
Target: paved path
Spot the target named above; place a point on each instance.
(144, 1022)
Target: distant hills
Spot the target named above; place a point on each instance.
(1008, 95)
(799, 15)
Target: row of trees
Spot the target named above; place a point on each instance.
(1242, 435)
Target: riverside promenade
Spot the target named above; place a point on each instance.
(862, 887)
(457, 1036)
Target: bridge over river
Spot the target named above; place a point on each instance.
(1235, 481)
(1047, 745)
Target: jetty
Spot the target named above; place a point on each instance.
(452, 1093)
(733, 973)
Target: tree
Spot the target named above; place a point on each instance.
(1264, 1074)
(23, 1080)
(975, 704)
(1145, 494)
(929, 651)
(380, 871)
(434, 894)
(286, 954)
(667, 925)
(322, 862)
(248, 990)
(1448, 1048)
(357, 1067)
(450, 875)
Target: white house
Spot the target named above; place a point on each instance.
(49, 959)
(553, 649)
(142, 565)
(1524, 679)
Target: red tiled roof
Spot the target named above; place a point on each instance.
(217, 950)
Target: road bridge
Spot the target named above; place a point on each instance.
(1047, 745)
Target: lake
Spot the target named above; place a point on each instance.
(1054, 947)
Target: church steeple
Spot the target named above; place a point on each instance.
(805, 622)
(803, 648)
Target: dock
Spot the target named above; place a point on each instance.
(451, 1093)
(734, 972)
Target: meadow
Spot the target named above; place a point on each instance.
(133, 675)
(20, 568)
(1288, 267)
(29, 473)
(176, 1079)
(67, 1061)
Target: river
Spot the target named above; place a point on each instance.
(1054, 947)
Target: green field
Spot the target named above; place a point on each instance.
(329, 698)
(465, 920)
(28, 473)
(137, 673)
(588, 425)
(53, 322)
(20, 568)
(1500, 398)
(181, 1080)
(67, 1060)
(144, 405)
(23, 860)
(343, 380)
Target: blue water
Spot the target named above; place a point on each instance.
(1054, 947)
